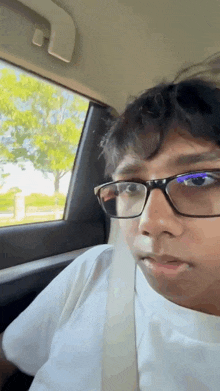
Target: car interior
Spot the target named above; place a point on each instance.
(107, 52)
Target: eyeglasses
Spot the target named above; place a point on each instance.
(192, 194)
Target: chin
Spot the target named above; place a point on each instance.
(171, 290)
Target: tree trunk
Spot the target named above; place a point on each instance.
(57, 182)
(56, 192)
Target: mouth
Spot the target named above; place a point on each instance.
(165, 266)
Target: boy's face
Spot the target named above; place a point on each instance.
(161, 231)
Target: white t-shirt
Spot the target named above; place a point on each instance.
(178, 348)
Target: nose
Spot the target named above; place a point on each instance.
(158, 216)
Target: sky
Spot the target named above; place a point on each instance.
(32, 181)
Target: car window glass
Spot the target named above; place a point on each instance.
(41, 125)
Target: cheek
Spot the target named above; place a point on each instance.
(211, 229)
(204, 232)
(210, 238)
(201, 241)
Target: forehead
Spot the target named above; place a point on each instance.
(179, 149)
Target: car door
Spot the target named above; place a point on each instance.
(33, 254)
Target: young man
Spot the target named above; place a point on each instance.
(164, 158)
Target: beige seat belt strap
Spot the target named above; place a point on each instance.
(119, 371)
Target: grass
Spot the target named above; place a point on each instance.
(5, 221)
(35, 201)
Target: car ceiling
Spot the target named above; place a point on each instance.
(122, 46)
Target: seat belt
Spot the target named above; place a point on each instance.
(119, 365)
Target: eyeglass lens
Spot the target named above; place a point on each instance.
(195, 194)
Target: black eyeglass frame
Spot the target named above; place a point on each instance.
(154, 184)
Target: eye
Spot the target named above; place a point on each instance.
(130, 188)
(198, 180)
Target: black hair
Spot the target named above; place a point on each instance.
(193, 103)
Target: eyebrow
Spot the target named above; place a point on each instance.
(182, 160)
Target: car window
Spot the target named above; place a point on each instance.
(41, 126)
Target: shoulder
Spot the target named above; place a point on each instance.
(97, 255)
(97, 258)
(101, 250)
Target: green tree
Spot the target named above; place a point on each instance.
(7, 106)
(3, 177)
(41, 123)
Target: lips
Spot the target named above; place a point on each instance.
(162, 259)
